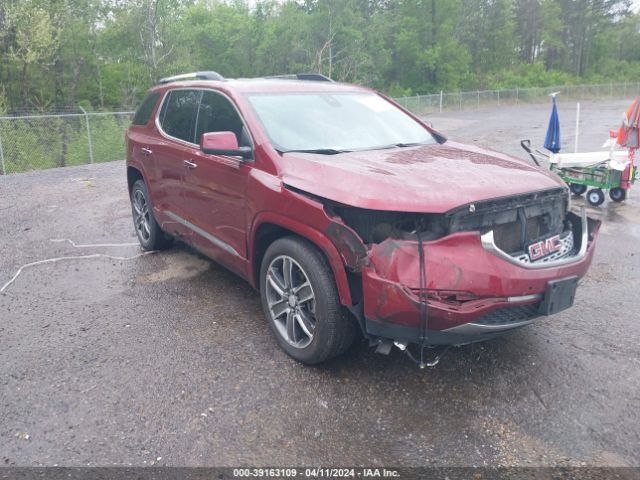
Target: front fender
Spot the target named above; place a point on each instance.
(314, 236)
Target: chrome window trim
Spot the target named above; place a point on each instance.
(201, 90)
(489, 244)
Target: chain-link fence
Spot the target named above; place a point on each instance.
(34, 142)
(30, 141)
(441, 102)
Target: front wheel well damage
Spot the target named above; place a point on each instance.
(267, 233)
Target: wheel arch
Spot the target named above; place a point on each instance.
(271, 227)
(133, 175)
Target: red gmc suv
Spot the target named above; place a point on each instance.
(350, 213)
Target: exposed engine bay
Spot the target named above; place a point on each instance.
(515, 221)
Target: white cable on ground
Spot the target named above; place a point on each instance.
(89, 245)
(75, 257)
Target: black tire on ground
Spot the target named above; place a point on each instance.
(333, 329)
(618, 194)
(595, 197)
(577, 189)
(149, 233)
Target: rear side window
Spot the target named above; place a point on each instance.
(177, 116)
(144, 110)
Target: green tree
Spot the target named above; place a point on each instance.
(35, 41)
(107, 53)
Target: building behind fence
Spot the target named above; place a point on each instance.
(34, 142)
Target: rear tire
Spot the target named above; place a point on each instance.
(595, 197)
(149, 233)
(618, 194)
(577, 189)
(300, 300)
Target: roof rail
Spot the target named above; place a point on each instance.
(311, 77)
(192, 76)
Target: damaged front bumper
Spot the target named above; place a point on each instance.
(474, 290)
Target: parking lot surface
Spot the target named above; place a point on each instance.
(166, 358)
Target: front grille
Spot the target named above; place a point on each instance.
(515, 221)
(509, 315)
(508, 236)
(566, 248)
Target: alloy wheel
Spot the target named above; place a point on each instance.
(291, 301)
(141, 215)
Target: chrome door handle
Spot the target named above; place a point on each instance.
(190, 164)
(146, 151)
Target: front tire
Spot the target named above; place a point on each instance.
(149, 233)
(301, 303)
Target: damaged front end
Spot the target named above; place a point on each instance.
(484, 269)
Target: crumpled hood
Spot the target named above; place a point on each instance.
(429, 178)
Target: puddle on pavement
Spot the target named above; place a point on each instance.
(615, 217)
(177, 266)
(623, 215)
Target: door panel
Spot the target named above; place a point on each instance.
(214, 199)
(214, 190)
(169, 170)
(177, 122)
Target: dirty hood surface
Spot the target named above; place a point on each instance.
(429, 178)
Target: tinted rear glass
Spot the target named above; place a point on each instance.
(144, 110)
(177, 116)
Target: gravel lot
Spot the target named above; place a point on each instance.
(166, 359)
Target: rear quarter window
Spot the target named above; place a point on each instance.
(144, 110)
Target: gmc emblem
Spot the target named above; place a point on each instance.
(544, 247)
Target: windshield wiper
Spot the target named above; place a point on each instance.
(319, 151)
(397, 145)
(335, 151)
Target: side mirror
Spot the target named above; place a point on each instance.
(223, 143)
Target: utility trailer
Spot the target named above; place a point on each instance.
(610, 170)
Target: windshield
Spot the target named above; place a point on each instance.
(335, 122)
